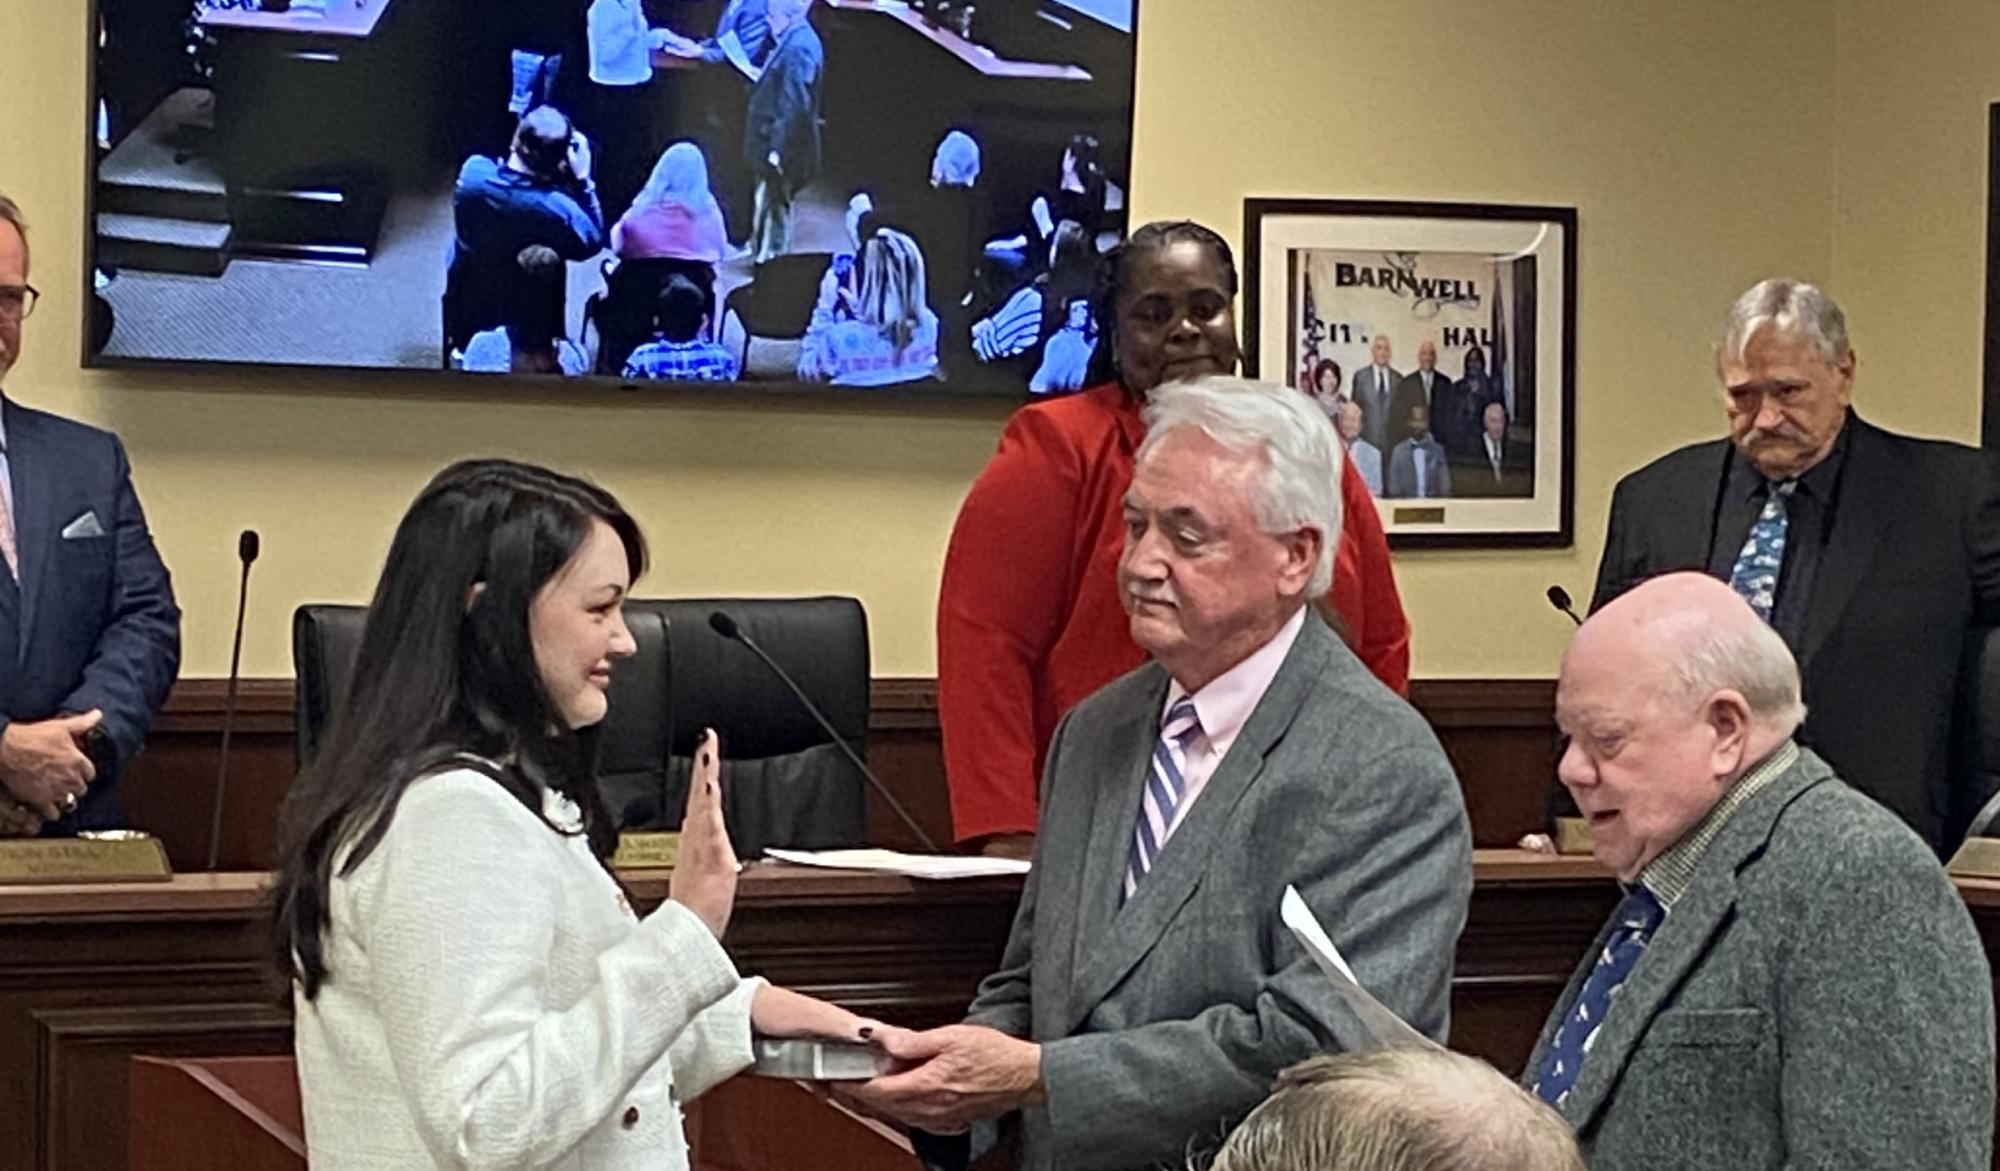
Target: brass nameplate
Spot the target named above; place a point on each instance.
(646, 851)
(120, 856)
(1572, 835)
(1977, 858)
(1417, 516)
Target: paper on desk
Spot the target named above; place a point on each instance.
(1384, 1027)
(908, 865)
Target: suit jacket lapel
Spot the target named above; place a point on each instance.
(34, 516)
(1105, 957)
(1867, 500)
(1112, 819)
(1682, 940)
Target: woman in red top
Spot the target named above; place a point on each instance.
(1029, 617)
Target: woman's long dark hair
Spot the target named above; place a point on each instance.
(1114, 269)
(446, 674)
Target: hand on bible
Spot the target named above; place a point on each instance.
(43, 765)
(704, 879)
(950, 1078)
(781, 1012)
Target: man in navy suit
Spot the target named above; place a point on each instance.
(89, 633)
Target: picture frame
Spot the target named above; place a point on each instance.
(1377, 308)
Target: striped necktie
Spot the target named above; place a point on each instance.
(9, 552)
(1638, 917)
(1165, 786)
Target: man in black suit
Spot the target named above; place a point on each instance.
(1492, 464)
(1429, 388)
(1876, 556)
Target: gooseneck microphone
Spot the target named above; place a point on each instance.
(726, 626)
(246, 552)
(1559, 598)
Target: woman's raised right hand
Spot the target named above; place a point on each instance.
(704, 879)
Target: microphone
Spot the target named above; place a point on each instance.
(726, 626)
(1559, 598)
(246, 552)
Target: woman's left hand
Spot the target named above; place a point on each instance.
(781, 1012)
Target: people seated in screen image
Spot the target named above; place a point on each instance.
(472, 986)
(541, 193)
(1080, 198)
(1067, 355)
(1360, 452)
(892, 335)
(1149, 993)
(1029, 318)
(1418, 468)
(90, 637)
(1791, 980)
(1030, 617)
(531, 337)
(682, 350)
(781, 140)
(675, 216)
(1403, 1109)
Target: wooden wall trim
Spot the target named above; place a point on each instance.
(900, 703)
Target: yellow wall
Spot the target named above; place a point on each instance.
(1694, 138)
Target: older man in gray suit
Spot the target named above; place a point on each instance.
(1149, 993)
(1791, 981)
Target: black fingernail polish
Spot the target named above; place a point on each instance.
(867, 1031)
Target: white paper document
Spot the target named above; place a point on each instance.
(1384, 1027)
(908, 865)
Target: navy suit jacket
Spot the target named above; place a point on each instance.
(97, 623)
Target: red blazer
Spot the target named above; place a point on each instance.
(1029, 618)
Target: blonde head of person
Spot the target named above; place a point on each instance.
(1405, 1109)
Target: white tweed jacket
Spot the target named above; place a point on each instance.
(493, 1002)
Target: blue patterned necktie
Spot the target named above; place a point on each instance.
(1165, 786)
(1638, 917)
(1757, 566)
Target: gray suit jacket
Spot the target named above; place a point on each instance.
(1375, 396)
(1817, 999)
(1164, 1021)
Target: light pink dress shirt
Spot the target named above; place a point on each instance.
(1223, 707)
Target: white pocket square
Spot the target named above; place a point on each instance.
(83, 526)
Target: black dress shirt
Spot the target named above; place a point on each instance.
(1810, 520)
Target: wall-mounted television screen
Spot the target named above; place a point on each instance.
(787, 193)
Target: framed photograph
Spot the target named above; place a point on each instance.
(1440, 339)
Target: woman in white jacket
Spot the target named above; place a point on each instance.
(472, 986)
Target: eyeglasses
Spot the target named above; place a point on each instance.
(17, 301)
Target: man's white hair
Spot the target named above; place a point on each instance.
(1750, 659)
(1299, 485)
(1793, 308)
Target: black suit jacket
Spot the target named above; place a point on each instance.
(1910, 575)
(1472, 473)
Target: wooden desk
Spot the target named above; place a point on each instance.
(969, 53)
(342, 18)
(90, 976)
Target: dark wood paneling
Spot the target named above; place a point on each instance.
(1499, 733)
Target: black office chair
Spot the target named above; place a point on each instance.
(624, 313)
(777, 302)
(1979, 744)
(632, 750)
(785, 783)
